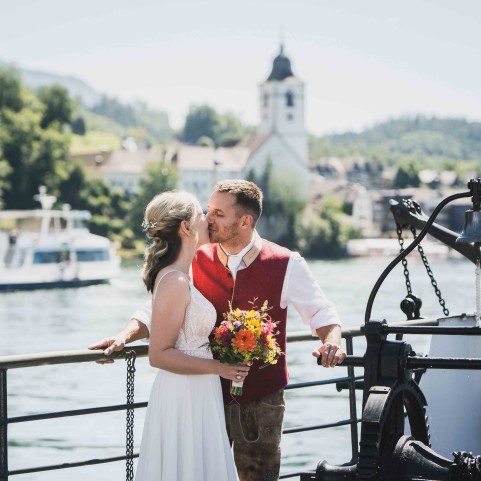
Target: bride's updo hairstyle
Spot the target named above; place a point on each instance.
(162, 219)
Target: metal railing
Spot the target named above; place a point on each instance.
(65, 357)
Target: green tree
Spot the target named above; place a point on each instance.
(407, 175)
(201, 121)
(112, 108)
(322, 232)
(205, 141)
(78, 126)
(57, 105)
(205, 122)
(158, 178)
(35, 156)
(30, 154)
(5, 170)
(10, 90)
(283, 202)
(153, 122)
(73, 188)
(108, 205)
(229, 130)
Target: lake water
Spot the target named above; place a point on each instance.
(70, 319)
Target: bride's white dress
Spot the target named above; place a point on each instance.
(184, 437)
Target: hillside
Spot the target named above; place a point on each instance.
(426, 140)
(103, 115)
(77, 88)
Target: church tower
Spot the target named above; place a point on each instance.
(282, 107)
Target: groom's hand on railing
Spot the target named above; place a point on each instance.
(329, 355)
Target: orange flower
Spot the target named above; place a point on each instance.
(244, 340)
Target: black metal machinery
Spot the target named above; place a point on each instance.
(391, 395)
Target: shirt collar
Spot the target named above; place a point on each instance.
(249, 253)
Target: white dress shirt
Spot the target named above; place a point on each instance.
(234, 261)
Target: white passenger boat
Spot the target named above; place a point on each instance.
(48, 248)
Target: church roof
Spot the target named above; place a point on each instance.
(131, 162)
(253, 141)
(195, 157)
(281, 67)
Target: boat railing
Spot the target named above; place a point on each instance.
(66, 357)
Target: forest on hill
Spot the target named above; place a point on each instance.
(432, 142)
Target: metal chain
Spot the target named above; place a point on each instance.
(442, 302)
(477, 274)
(404, 261)
(415, 208)
(130, 357)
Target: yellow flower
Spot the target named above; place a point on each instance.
(254, 322)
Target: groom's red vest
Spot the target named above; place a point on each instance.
(262, 279)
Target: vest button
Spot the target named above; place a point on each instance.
(229, 275)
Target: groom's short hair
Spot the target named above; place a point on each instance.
(248, 195)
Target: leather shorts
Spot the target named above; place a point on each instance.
(255, 430)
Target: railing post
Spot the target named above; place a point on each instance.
(352, 402)
(3, 426)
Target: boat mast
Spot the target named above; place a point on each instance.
(46, 201)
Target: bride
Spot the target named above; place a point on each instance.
(184, 435)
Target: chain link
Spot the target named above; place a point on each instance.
(442, 302)
(415, 208)
(477, 274)
(130, 357)
(404, 261)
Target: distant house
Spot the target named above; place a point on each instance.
(350, 170)
(202, 167)
(124, 167)
(120, 168)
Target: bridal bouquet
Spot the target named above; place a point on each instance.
(245, 336)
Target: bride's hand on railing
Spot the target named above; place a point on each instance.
(109, 345)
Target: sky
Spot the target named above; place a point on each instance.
(362, 61)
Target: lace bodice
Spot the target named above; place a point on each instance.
(199, 321)
(200, 317)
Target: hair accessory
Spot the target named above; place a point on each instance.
(146, 225)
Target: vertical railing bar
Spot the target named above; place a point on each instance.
(352, 401)
(3, 426)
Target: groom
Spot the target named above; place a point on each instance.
(239, 266)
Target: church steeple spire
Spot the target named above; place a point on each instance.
(281, 67)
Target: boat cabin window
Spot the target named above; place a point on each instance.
(14, 258)
(92, 255)
(50, 257)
